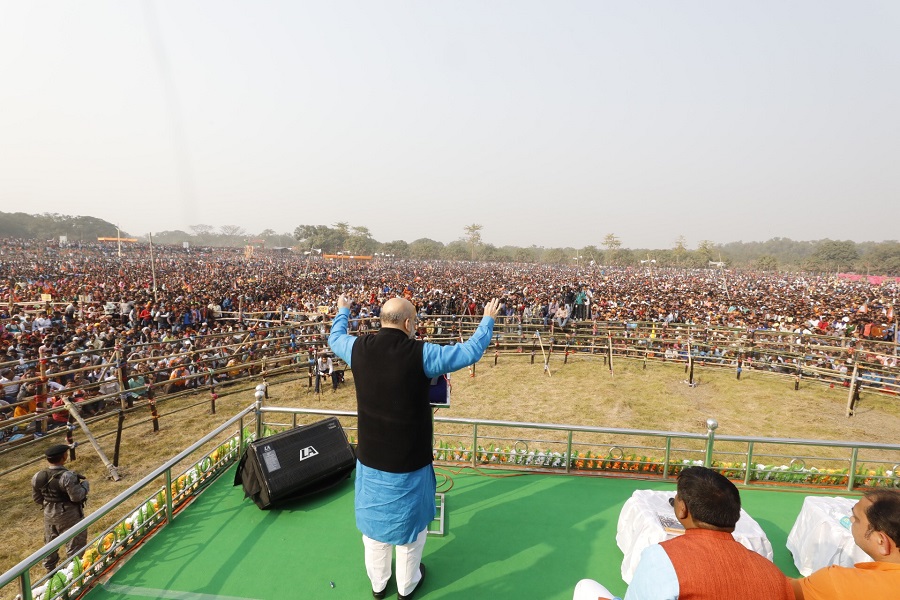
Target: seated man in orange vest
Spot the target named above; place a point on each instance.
(875, 526)
(704, 563)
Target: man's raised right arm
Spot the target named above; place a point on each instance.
(340, 342)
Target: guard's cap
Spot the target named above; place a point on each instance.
(56, 450)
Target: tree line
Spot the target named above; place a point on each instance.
(52, 225)
(826, 255)
(882, 258)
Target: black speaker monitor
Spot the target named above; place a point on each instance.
(295, 463)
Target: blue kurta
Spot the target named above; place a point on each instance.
(395, 507)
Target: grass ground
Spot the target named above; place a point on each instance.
(581, 392)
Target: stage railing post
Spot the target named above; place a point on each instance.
(170, 511)
(25, 585)
(260, 394)
(749, 466)
(668, 453)
(851, 480)
(474, 444)
(711, 426)
(258, 421)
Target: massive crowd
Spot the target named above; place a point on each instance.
(59, 301)
(196, 285)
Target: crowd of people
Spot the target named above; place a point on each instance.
(197, 285)
(69, 302)
(187, 317)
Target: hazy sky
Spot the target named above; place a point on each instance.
(549, 123)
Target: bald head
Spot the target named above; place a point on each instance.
(399, 313)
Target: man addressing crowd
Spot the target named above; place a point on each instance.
(395, 483)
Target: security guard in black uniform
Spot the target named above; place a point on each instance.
(62, 493)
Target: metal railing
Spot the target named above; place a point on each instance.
(559, 448)
(581, 449)
(112, 543)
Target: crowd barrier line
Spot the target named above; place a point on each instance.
(606, 340)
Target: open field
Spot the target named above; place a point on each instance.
(581, 392)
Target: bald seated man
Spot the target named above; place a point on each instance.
(395, 483)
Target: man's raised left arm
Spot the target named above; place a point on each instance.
(446, 359)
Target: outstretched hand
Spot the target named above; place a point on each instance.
(344, 301)
(492, 308)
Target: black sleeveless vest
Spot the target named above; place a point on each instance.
(395, 424)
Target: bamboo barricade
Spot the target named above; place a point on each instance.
(772, 355)
(546, 356)
(70, 436)
(853, 395)
(151, 403)
(764, 346)
(111, 468)
(240, 348)
(761, 352)
(118, 445)
(34, 307)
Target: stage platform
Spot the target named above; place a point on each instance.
(507, 537)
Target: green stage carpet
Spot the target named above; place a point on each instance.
(527, 536)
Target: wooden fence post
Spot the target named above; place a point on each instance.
(73, 410)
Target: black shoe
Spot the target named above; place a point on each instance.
(380, 594)
(418, 585)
